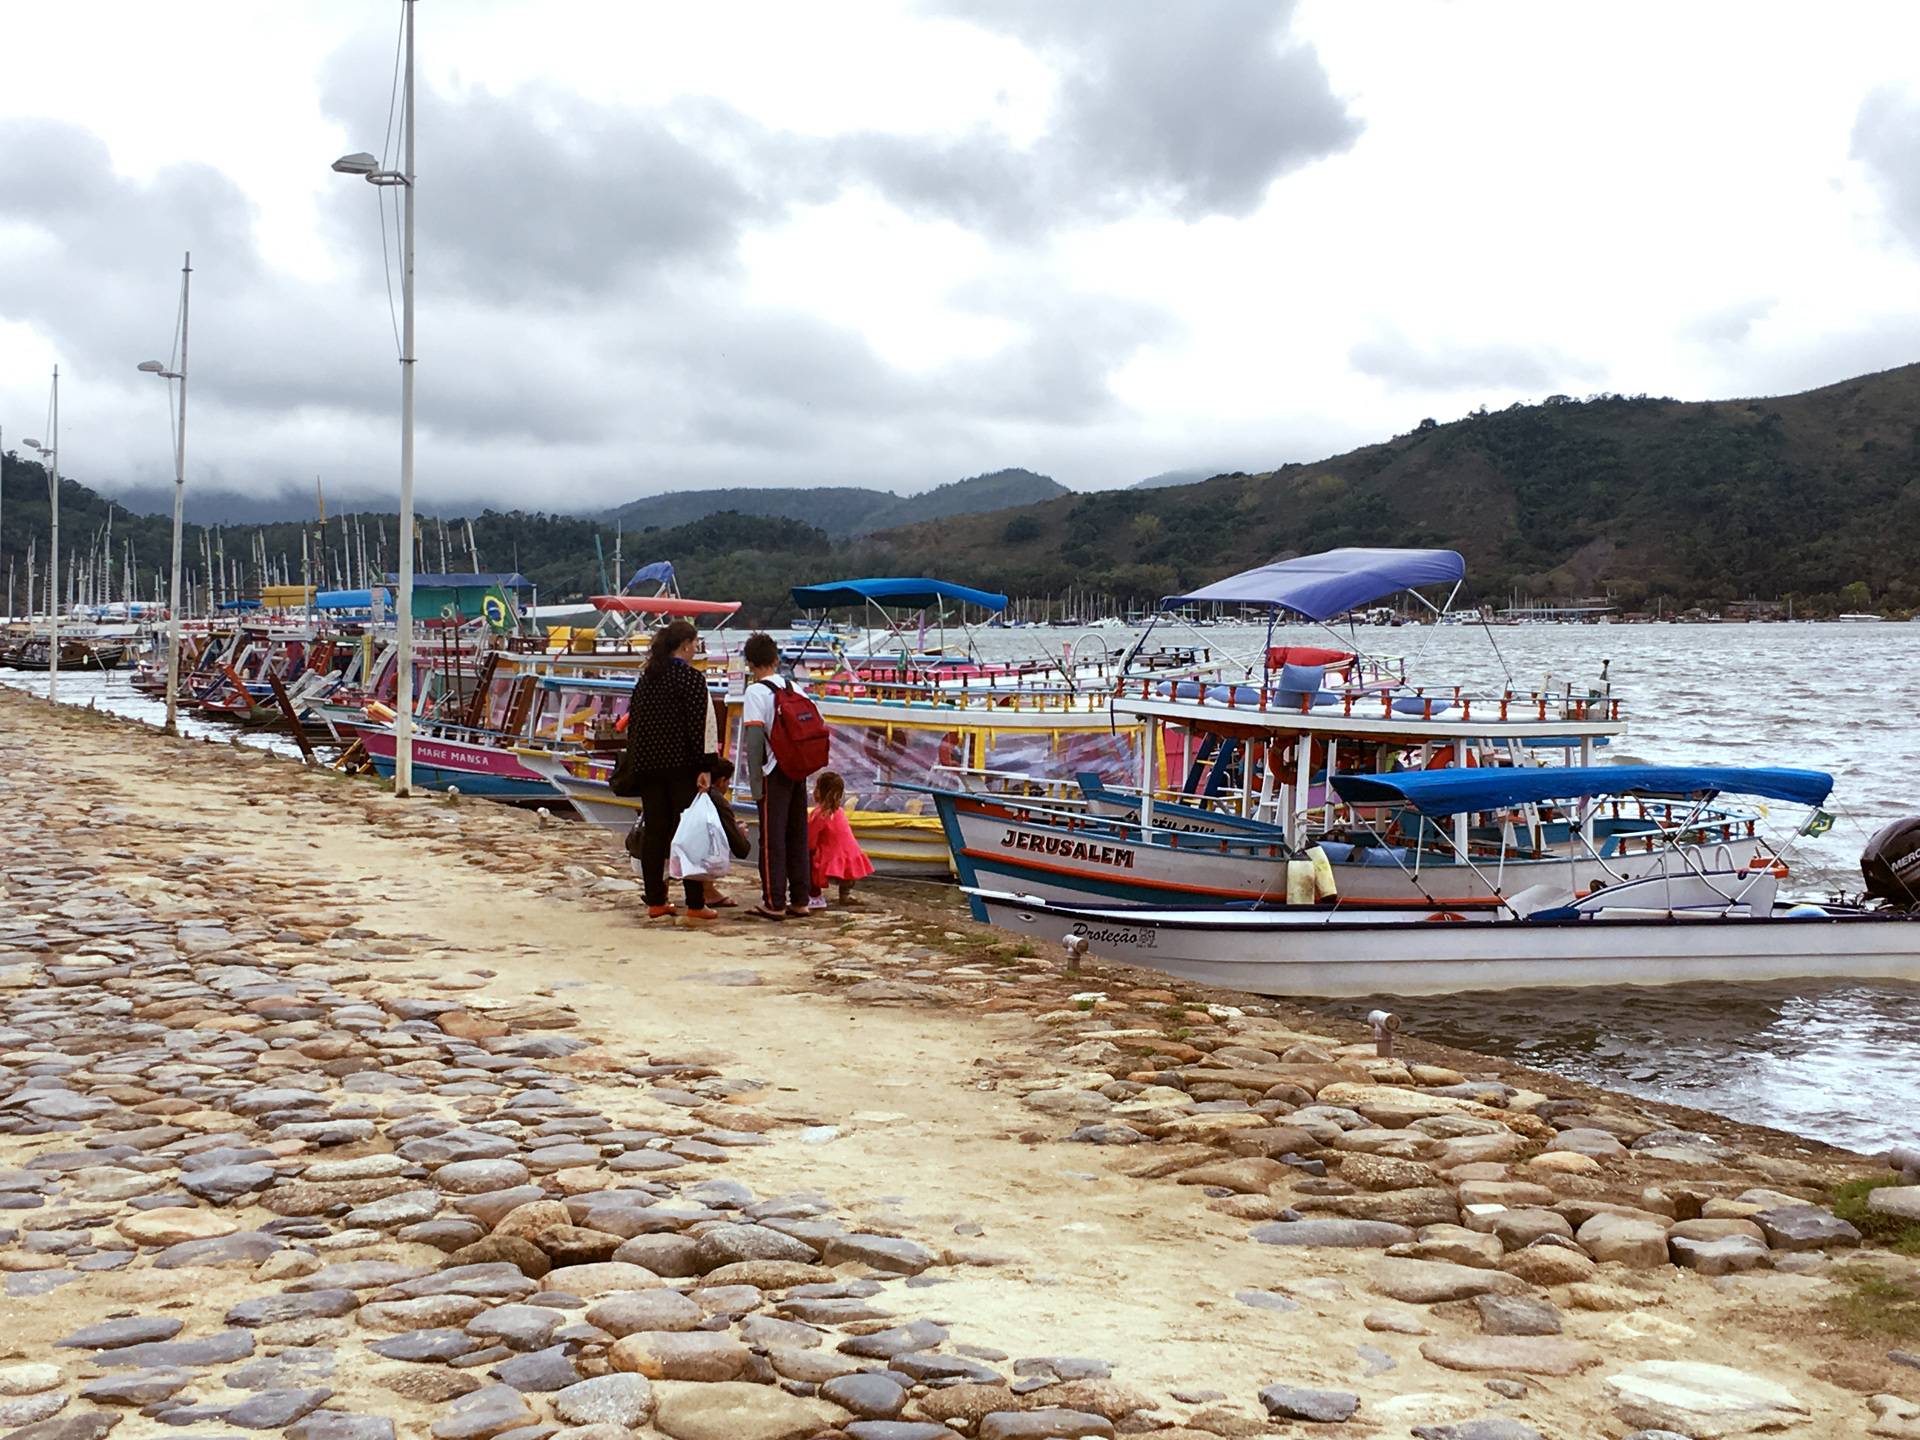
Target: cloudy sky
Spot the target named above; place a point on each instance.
(669, 246)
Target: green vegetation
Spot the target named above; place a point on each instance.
(1657, 502)
(1873, 1305)
(844, 512)
(1850, 1204)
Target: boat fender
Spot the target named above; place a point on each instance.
(1323, 883)
(1300, 888)
(1803, 912)
(376, 711)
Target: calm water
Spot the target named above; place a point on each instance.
(1836, 1061)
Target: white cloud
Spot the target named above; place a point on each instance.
(896, 243)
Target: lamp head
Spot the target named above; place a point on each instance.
(34, 445)
(358, 163)
(153, 367)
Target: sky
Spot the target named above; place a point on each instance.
(760, 242)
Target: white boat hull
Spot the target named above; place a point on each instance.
(1325, 953)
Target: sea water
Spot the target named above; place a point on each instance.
(1834, 1060)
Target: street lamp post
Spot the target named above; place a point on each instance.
(368, 166)
(155, 367)
(50, 454)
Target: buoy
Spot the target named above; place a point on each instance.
(1323, 883)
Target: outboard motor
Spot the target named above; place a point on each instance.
(1891, 863)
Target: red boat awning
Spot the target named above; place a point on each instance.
(1279, 655)
(664, 605)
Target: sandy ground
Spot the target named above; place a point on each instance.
(1087, 1261)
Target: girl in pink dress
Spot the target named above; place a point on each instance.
(836, 854)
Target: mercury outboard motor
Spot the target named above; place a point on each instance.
(1891, 863)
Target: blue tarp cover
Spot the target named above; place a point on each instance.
(659, 570)
(465, 582)
(1453, 790)
(899, 590)
(1322, 586)
(344, 600)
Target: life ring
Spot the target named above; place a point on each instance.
(1444, 758)
(1444, 915)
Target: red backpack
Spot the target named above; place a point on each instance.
(798, 735)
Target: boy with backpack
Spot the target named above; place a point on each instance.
(785, 741)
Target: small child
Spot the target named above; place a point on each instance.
(722, 771)
(836, 854)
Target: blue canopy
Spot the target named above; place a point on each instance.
(896, 591)
(344, 600)
(1322, 586)
(1456, 789)
(659, 570)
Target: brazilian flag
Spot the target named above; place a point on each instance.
(1819, 823)
(466, 602)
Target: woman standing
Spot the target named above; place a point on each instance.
(670, 734)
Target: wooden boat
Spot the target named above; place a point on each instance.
(475, 710)
(1681, 923)
(899, 717)
(878, 741)
(1232, 778)
(34, 652)
(1060, 852)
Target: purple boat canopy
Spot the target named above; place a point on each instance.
(1322, 586)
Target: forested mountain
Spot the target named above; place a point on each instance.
(842, 512)
(1814, 496)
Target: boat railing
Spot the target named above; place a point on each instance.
(965, 695)
(1009, 784)
(1654, 826)
(1385, 701)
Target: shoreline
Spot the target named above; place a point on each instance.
(949, 1067)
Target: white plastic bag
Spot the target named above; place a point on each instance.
(699, 844)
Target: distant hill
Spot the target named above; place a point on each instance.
(1167, 479)
(842, 512)
(230, 507)
(1815, 495)
(839, 511)
(225, 507)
